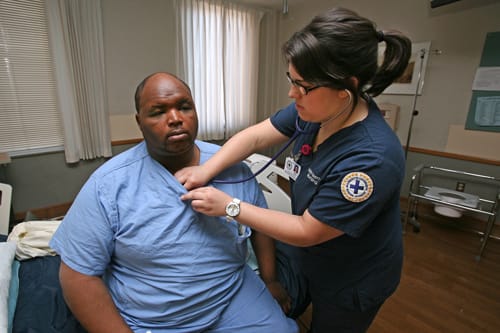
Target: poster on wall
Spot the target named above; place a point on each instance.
(484, 109)
(414, 74)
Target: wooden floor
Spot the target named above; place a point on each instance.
(443, 287)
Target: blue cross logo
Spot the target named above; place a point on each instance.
(357, 186)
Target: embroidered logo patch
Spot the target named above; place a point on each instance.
(357, 186)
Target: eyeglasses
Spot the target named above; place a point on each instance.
(296, 83)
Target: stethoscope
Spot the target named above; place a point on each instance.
(298, 131)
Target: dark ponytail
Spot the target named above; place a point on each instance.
(338, 46)
(396, 56)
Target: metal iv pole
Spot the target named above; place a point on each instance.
(414, 111)
(413, 220)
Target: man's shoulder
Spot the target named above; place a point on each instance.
(123, 160)
(207, 147)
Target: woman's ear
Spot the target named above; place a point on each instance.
(344, 93)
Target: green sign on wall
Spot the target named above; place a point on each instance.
(484, 109)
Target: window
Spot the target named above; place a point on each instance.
(218, 56)
(29, 119)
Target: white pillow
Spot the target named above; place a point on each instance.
(7, 253)
(32, 238)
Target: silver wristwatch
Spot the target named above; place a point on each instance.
(233, 209)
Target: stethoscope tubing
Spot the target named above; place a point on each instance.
(298, 131)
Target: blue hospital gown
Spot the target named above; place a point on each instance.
(165, 265)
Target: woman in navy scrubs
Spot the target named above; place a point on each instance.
(346, 167)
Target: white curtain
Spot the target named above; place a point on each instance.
(218, 56)
(76, 40)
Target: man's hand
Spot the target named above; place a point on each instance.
(192, 177)
(280, 295)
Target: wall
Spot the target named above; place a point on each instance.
(46, 180)
(139, 38)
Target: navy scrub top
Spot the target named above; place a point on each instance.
(351, 182)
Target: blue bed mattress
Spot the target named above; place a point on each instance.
(40, 306)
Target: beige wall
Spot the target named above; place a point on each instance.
(139, 39)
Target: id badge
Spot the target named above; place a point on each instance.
(292, 168)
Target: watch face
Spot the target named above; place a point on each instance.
(232, 209)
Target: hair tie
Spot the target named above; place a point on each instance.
(380, 36)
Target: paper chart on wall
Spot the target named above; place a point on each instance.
(487, 111)
(487, 79)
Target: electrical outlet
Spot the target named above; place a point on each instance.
(460, 187)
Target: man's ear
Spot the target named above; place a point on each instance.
(137, 120)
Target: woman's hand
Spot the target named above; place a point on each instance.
(208, 200)
(280, 295)
(192, 177)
